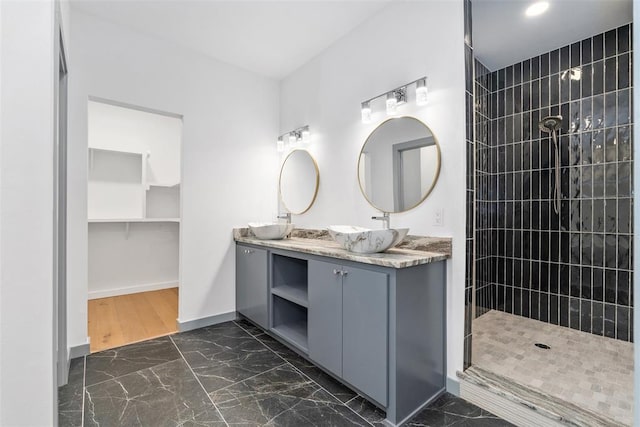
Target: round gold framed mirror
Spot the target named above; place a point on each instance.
(399, 164)
(299, 181)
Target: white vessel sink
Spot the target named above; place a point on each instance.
(366, 241)
(270, 230)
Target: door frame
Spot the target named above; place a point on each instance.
(60, 216)
(398, 168)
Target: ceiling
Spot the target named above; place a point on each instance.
(271, 38)
(503, 35)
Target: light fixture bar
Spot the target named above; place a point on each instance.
(294, 137)
(396, 97)
(404, 86)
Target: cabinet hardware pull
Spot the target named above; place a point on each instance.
(335, 271)
(344, 272)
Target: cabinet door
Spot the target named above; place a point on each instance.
(364, 331)
(325, 315)
(251, 284)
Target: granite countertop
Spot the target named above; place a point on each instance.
(412, 251)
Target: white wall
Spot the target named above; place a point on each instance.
(404, 41)
(113, 127)
(141, 259)
(28, 67)
(229, 174)
(1, 139)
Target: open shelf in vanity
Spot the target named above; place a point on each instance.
(289, 299)
(290, 322)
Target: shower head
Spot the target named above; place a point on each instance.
(550, 124)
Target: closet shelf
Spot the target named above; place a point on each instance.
(120, 220)
(108, 150)
(163, 184)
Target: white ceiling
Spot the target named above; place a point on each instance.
(271, 38)
(503, 35)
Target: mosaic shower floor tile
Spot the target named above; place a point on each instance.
(590, 371)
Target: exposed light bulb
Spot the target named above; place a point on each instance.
(366, 112)
(280, 145)
(421, 92)
(306, 135)
(392, 104)
(537, 8)
(293, 139)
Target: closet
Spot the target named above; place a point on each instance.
(133, 206)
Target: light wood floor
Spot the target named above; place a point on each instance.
(126, 319)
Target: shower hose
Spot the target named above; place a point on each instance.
(556, 187)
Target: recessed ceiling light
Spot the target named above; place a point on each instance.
(537, 8)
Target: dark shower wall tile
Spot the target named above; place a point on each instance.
(472, 72)
(573, 267)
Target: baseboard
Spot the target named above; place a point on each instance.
(132, 289)
(453, 386)
(189, 325)
(79, 350)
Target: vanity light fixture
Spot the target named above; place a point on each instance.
(366, 112)
(392, 103)
(396, 97)
(421, 92)
(294, 138)
(306, 135)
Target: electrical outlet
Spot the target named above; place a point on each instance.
(438, 217)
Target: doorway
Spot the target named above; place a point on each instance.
(133, 205)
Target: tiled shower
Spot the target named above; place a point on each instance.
(527, 263)
(574, 268)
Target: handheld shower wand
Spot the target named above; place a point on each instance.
(552, 124)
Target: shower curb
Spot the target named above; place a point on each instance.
(524, 406)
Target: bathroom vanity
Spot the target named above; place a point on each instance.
(375, 322)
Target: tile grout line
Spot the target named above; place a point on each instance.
(306, 376)
(284, 363)
(255, 375)
(331, 394)
(351, 399)
(198, 380)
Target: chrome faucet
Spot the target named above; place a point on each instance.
(286, 216)
(385, 218)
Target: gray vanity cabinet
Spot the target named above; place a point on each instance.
(251, 284)
(348, 320)
(364, 331)
(325, 316)
(379, 329)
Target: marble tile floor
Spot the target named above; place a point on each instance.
(225, 375)
(589, 371)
